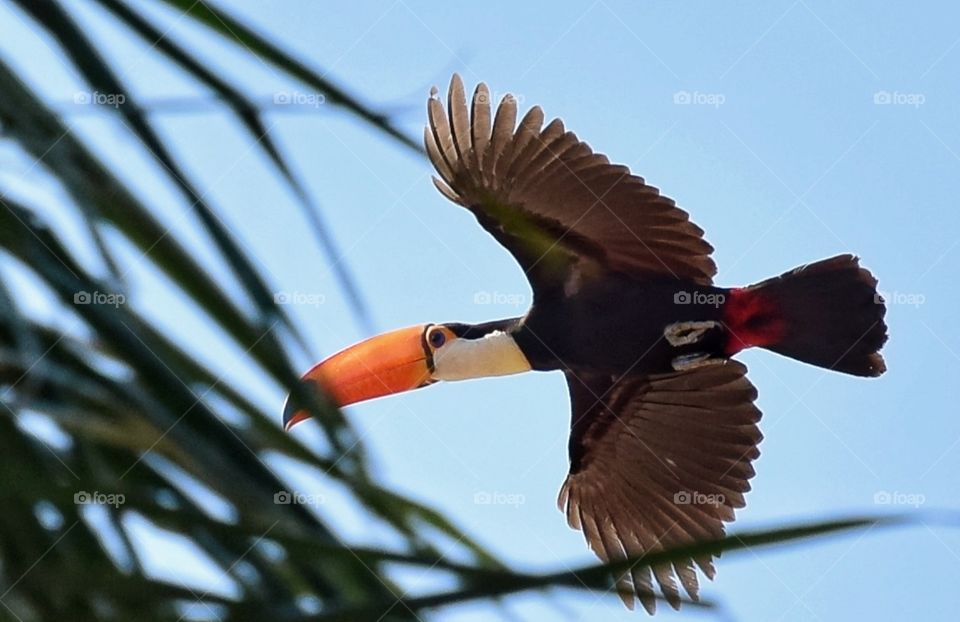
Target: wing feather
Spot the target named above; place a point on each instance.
(520, 169)
(439, 160)
(459, 121)
(542, 192)
(443, 141)
(479, 126)
(503, 124)
(527, 131)
(659, 462)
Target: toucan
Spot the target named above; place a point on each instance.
(664, 427)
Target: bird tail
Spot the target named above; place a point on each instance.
(827, 313)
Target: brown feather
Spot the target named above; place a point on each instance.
(479, 125)
(540, 190)
(657, 481)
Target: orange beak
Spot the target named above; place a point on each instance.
(389, 363)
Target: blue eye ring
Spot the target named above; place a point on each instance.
(437, 338)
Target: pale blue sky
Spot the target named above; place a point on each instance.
(814, 128)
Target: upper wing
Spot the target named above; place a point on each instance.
(658, 462)
(564, 212)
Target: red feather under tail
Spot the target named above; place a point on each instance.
(826, 313)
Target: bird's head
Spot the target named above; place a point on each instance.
(410, 358)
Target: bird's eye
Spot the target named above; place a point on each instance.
(437, 338)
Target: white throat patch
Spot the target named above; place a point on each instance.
(496, 354)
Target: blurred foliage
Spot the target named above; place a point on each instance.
(139, 416)
(139, 413)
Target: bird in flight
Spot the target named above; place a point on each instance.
(664, 427)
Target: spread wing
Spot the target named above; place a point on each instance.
(658, 462)
(563, 211)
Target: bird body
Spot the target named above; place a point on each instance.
(616, 325)
(663, 425)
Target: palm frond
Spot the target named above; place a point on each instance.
(135, 415)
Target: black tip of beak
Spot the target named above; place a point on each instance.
(289, 414)
(296, 410)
